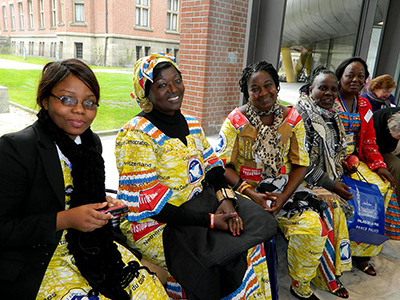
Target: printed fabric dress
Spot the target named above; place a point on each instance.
(154, 170)
(326, 145)
(305, 231)
(361, 142)
(63, 280)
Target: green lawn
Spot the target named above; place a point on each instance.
(30, 60)
(116, 105)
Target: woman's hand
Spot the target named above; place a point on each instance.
(113, 202)
(235, 224)
(259, 198)
(342, 190)
(228, 221)
(271, 202)
(385, 175)
(84, 218)
(277, 201)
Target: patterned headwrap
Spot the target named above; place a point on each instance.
(143, 71)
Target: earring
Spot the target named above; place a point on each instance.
(147, 106)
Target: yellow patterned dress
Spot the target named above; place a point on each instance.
(305, 232)
(155, 169)
(63, 280)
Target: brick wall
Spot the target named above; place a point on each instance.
(211, 58)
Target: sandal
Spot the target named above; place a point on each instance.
(366, 267)
(341, 290)
(312, 297)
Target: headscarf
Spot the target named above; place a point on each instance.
(143, 71)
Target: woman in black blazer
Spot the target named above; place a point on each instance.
(54, 240)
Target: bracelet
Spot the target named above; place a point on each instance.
(224, 193)
(243, 186)
(237, 184)
(212, 221)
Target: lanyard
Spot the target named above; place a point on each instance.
(347, 111)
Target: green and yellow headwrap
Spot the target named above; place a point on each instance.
(143, 71)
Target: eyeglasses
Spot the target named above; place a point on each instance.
(72, 102)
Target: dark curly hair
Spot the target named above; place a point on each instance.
(256, 67)
(340, 69)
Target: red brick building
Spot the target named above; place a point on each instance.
(207, 36)
(112, 33)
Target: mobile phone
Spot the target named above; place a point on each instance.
(116, 212)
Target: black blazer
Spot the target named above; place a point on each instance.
(31, 194)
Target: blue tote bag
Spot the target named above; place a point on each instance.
(368, 223)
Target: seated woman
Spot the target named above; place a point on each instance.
(356, 115)
(379, 92)
(387, 128)
(177, 220)
(264, 141)
(55, 243)
(326, 145)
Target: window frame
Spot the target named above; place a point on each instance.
(30, 11)
(139, 6)
(5, 18)
(80, 44)
(171, 13)
(41, 14)
(12, 14)
(53, 13)
(21, 15)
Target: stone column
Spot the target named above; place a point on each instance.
(4, 102)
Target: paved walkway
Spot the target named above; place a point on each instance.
(361, 286)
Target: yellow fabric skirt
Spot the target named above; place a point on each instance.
(63, 280)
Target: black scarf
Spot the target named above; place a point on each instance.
(95, 254)
(173, 126)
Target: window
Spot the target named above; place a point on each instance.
(176, 53)
(12, 16)
(79, 50)
(30, 7)
(53, 13)
(30, 50)
(62, 11)
(79, 12)
(21, 47)
(41, 12)
(142, 13)
(5, 17)
(147, 51)
(172, 15)
(60, 50)
(41, 48)
(21, 15)
(138, 52)
(167, 50)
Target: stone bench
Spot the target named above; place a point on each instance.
(4, 100)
